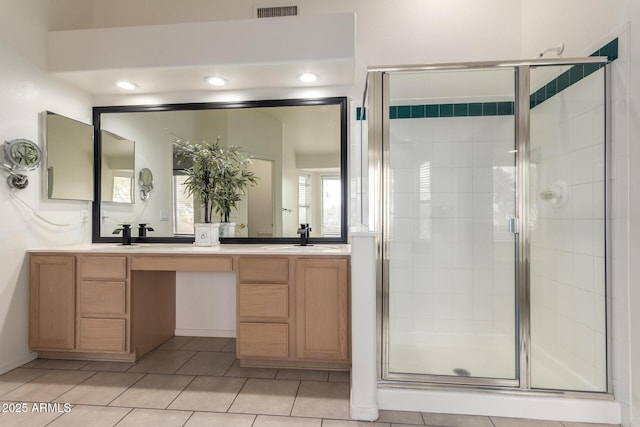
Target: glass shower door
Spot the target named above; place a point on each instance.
(567, 228)
(450, 255)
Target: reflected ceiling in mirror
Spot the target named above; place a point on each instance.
(297, 149)
(70, 158)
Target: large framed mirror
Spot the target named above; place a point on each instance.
(298, 151)
(70, 158)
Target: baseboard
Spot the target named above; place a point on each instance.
(6, 367)
(219, 333)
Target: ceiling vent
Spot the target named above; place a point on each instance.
(275, 11)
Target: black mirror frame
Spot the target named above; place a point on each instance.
(344, 165)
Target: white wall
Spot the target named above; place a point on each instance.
(26, 91)
(24, 28)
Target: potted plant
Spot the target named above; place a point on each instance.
(218, 178)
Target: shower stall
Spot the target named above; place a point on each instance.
(488, 184)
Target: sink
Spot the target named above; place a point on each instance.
(298, 248)
(131, 246)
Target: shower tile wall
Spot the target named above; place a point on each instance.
(452, 263)
(568, 239)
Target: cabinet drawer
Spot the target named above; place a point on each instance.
(268, 340)
(182, 263)
(263, 300)
(97, 335)
(99, 297)
(263, 270)
(102, 267)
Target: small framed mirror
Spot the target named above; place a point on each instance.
(69, 158)
(118, 165)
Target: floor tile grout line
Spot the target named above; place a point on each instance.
(44, 372)
(187, 342)
(181, 391)
(130, 410)
(74, 386)
(246, 380)
(184, 363)
(227, 370)
(188, 418)
(55, 419)
(293, 404)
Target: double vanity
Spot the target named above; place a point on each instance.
(117, 303)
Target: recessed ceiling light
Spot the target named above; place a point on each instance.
(308, 77)
(215, 81)
(123, 84)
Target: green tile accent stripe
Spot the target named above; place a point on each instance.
(472, 109)
(573, 75)
(506, 108)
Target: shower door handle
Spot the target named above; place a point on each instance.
(513, 225)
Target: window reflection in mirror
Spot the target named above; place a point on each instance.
(283, 139)
(117, 173)
(69, 158)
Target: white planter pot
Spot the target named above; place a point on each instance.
(206, 234)
(227, 229)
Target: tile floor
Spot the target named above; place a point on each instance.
(195, 382)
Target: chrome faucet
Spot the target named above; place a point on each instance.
(142, 229)
(126, 233)
(303, 231)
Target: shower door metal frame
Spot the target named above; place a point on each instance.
(378, 158)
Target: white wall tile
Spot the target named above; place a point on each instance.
(463, 179)
(482, 180)
(482, 154)
(583, 271)
(463, 155)
(442, 154)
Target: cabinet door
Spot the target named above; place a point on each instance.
(52, 303)
(322, 309)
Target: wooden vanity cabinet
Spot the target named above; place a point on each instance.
(79, 304)
(102, 307)
(52, 302)
(322, 309)
(263, 308)
(293, 311)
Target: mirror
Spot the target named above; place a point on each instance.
(116, 177)
(70, 158)
(22, 154)
(298, 150)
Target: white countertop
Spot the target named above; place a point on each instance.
(183, 249)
